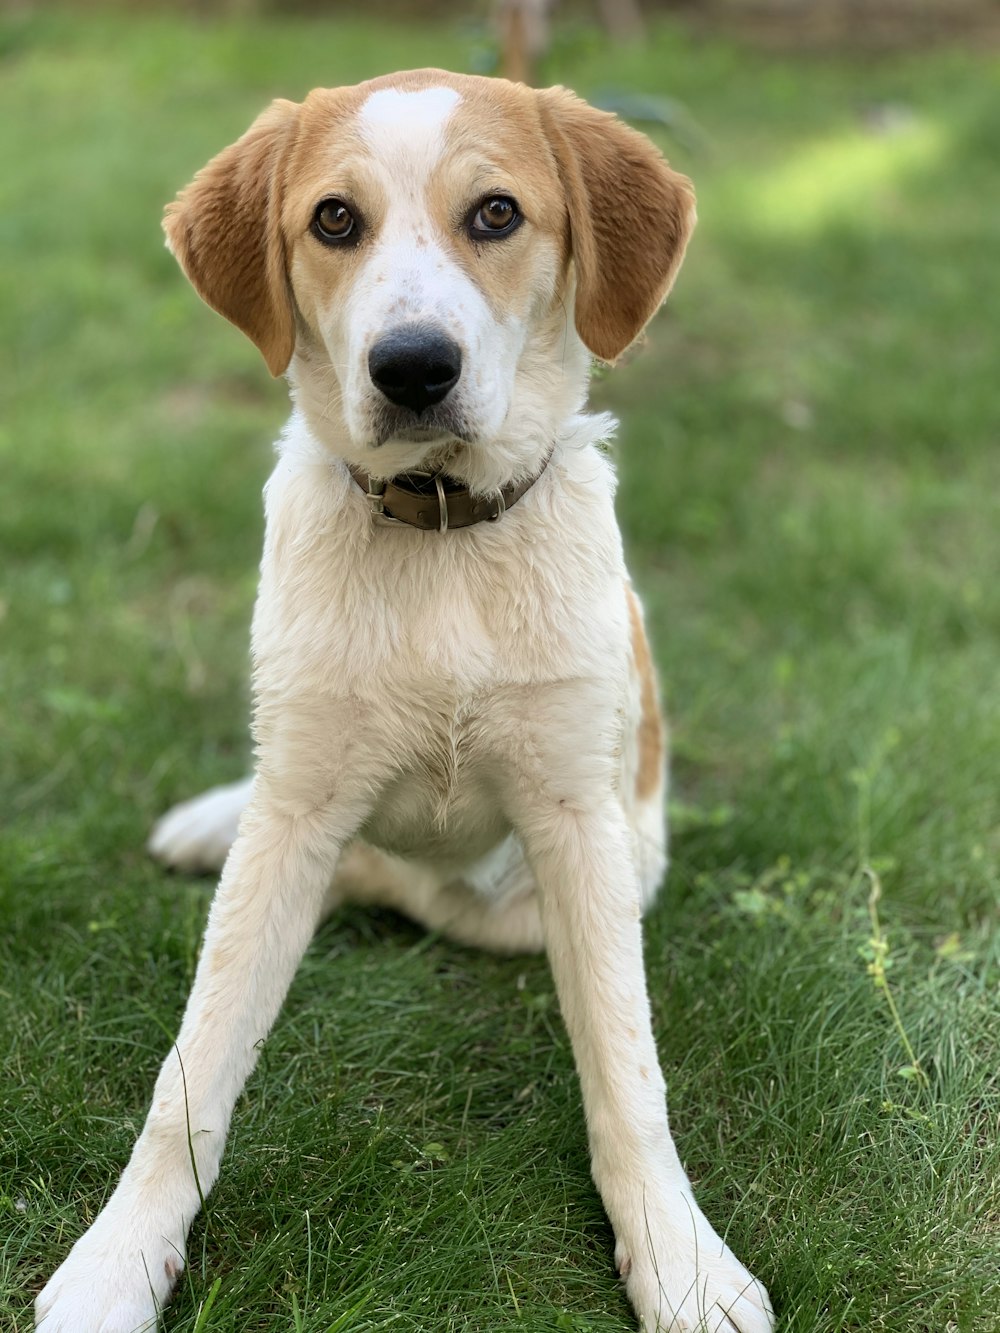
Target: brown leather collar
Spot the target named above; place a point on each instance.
(436, 502)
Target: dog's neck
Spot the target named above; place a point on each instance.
(562, 458)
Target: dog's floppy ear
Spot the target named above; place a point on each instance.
(225, 231)
(630, 217)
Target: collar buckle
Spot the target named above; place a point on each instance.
(375, 495)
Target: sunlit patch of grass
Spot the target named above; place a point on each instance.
(854, 173)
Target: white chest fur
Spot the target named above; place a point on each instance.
(437, 646)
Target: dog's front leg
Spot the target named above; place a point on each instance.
(273, 885)
(678, 1272)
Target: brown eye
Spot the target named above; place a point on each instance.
(495, 217)
(333, 222)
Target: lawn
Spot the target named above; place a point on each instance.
(811, 492)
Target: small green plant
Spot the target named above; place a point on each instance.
(878, 958)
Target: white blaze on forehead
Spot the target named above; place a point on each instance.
(408, 274)
(411, 274)
(405, 131)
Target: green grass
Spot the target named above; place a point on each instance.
(811, 493)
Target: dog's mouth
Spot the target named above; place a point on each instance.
(416, 435)
(398, 425)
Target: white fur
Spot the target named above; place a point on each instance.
(197, 835)
(446, 724)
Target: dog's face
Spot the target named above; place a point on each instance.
(440, 268)
(431, 257)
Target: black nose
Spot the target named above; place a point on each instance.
(415, 367)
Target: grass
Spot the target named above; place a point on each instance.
(811, 492)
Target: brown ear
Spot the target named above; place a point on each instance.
(224, 230)
(630, 217)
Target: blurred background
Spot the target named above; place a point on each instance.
(810, 491)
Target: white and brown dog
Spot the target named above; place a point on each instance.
(454, 706)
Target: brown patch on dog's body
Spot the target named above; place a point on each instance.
(650, 722)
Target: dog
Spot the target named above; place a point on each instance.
(455, 710)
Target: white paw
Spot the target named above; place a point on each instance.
(197, 835)
(114, 1280)
(682, 1278)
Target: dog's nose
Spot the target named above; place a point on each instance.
(415, 367)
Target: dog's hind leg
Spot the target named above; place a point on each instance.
(493, 907)
(196, 835)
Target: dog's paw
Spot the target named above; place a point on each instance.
(114, 1280)
(196, 835)
(681, 1277)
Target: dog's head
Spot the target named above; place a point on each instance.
(430, 257)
